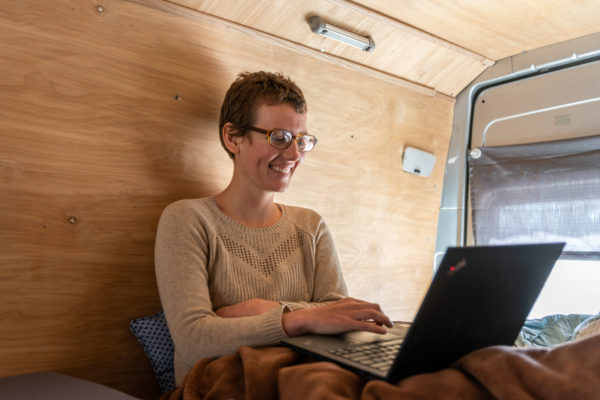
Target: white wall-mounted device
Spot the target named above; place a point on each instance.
(417, 161)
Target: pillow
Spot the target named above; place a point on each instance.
(153, 334)
(549, 331)
(587, 328)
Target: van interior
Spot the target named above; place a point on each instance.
(439, 124)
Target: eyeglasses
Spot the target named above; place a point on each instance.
(282, 139)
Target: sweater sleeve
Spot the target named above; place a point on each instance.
(181, 256)
(329, 282)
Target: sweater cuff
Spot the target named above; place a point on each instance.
(272, 326)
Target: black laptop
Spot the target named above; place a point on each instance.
(480, 296)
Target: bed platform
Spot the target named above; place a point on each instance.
(56, 386)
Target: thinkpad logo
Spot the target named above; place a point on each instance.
(457, 267)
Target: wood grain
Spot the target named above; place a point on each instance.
(497, 29)
(107, 117)
(433, 44)
(407, 54)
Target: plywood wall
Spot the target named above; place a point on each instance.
(108, 114)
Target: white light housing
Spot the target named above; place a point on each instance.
(417, 162)
(317, 25)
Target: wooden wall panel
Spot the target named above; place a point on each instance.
(108, 116)
(399, 51)
(497, 29)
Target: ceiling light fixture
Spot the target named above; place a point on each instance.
(317, 25)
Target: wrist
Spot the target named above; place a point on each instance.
(294, 323)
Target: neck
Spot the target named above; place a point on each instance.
(255, 210)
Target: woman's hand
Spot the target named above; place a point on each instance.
(246, 308)
(338, 317)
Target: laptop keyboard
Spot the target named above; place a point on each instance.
(377, 355)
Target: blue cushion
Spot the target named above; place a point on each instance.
(549, 331)
(589, 327)
(153, 334)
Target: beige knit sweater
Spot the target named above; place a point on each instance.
(204, 260)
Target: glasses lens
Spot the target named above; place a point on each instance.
(280, 138)
(306, 142)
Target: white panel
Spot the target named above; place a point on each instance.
(553, 106)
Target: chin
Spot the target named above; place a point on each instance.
(279, 188)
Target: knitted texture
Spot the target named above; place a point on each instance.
(265, 265)
(205, 260)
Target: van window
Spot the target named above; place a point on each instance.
(573, 287)
(544, 192)
(539, 192)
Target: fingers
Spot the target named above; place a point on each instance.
(338, 317)
(376, 317)
(371, 327)
(351, 304)
(362, 311)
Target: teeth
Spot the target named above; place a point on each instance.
(280, 169)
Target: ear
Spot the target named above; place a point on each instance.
(231, 140)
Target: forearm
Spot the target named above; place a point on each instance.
(213, 336)
(247, 308)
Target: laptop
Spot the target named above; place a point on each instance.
(480, 296)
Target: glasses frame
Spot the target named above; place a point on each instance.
(294, 137)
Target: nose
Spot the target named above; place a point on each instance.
(292, 153)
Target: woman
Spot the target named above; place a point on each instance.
(239, 269)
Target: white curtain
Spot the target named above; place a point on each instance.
(541, 192)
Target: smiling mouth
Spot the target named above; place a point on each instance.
(283, 170)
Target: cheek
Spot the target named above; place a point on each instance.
(266, 156)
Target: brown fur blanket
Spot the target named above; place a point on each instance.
(570, 371)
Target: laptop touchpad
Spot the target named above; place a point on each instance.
(368, 337)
